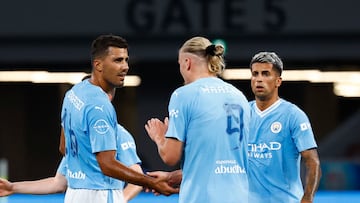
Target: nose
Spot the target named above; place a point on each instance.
(258, 78)
(125, 66)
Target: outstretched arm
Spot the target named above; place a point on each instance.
(170, 150)
(131, 190)
(173, 178)
(313, 174)
(49, 185)
(113, 168)
(62, 142)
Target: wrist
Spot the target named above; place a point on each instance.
(160, 141)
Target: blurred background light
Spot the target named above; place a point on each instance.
(346, 83)
(56, 77)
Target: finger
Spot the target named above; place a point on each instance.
(147, 128)
(155, 175)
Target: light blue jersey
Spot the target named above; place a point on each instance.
(126, 153)
(211, 118)
(277, 136)
(90, 125)
(62, 168)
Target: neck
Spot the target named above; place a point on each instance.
(111, 94)
(263, 104)
(110, 91)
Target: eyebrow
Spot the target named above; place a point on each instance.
(122, 59)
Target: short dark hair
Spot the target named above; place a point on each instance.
(268, 57)
(100, 45)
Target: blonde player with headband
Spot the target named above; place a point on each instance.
(207, 129)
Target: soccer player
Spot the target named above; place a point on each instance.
(126, 154)
(90, 127)
(207, 129)
(280, 136)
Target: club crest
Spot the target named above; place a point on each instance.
(276, 127)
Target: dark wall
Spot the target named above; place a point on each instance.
(30, 129)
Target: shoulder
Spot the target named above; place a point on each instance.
(86, 91)
(185, 91)
(121, 129)
(291, 106)
(294, 111)
(124, 132)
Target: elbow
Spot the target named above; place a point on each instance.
(60, 183)
(171, 152)
(315, 166)
(107, 162)
(61, 189)
(62, 150)
(319, 171)
(106, 170)
(62, 142)
(169, 160)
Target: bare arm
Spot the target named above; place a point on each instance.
(62, 142)
(170, 150)
(131, 190)
(313, 174)
(174, 177)
(113, 168)
(49, 185)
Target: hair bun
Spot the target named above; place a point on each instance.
(210, 50)
(214, 50)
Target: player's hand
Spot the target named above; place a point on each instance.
(162, 187)
(306, 199)
(156, 130)
(163, 175)
(173, 178)
(6, 187)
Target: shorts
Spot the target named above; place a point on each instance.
(93, 196)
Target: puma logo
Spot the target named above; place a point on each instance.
(100, 108)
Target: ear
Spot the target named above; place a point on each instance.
(97, 64)
(278, 81)
(188, 63)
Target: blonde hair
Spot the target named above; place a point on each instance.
(202, 47)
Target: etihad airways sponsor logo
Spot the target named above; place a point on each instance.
(228, 167)
(264, 147)
(263, 150)
(76, 175)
